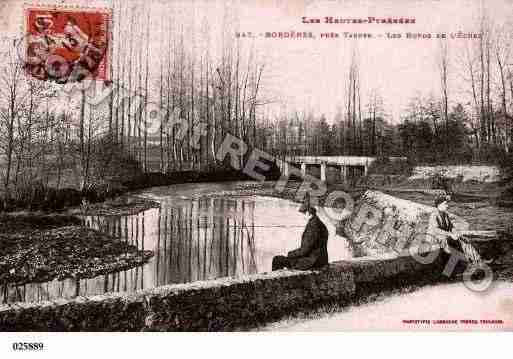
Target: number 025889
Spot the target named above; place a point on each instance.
(27, 346)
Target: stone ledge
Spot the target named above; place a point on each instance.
(221, 304)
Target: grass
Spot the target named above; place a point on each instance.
(40, 248)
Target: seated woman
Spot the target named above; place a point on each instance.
(450, 239)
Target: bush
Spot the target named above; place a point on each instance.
(384, 166)
(40, 197)
(439, 181)
(494, 154)
(507, 193)
(506, 165)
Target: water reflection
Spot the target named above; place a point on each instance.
(193, 239)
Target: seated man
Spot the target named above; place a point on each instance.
(313, 253)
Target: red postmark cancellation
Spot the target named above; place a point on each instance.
(67, 44)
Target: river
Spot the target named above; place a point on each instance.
(198, 233)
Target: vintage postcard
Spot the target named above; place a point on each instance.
(256, 165)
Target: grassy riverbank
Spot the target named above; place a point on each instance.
(41, 197)
(40, 247)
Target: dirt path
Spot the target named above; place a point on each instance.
(443, 302)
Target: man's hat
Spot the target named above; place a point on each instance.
(305, 206)
(441, 199)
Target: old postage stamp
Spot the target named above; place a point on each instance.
(67, 44)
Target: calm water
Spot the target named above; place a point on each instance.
(195, 235)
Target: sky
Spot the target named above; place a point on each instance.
(314, 73)
(311, 74)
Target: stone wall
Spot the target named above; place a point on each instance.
(484, 174)
(384, 225)
(223, 304)
(376, 276)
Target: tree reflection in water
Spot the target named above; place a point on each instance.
(194, 239)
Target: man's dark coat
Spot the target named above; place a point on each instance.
(313, 252)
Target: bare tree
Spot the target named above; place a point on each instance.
(13, 93)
